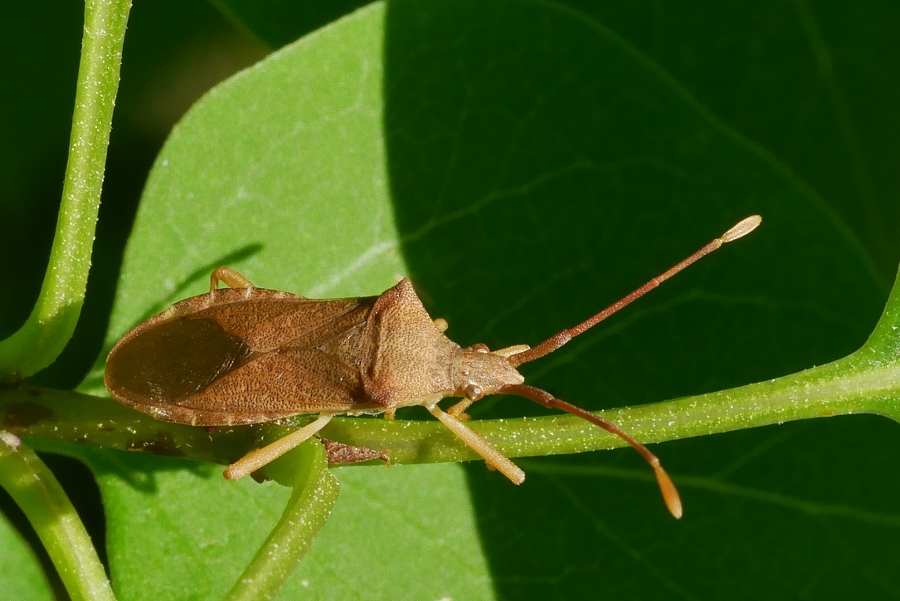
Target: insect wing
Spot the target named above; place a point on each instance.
(277, 384)
(240, 356)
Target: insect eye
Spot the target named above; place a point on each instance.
(474, 392)
(480, 348)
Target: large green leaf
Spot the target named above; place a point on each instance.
(524, 165)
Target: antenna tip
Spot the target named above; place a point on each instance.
(741, 229)
(669, 492)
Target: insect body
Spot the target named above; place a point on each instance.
(245, 355)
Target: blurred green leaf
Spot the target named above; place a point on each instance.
(278, 22)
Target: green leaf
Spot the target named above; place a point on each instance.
(799, 78)
(177, 529)
(17, 557)
(525, 165)
(201, 554)
(405, 532)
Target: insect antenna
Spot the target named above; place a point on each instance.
(666, 486)
(741, 229)
(669, 492)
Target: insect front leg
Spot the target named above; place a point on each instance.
(459, 409)
(494, 458)
(228, 275)
(257, 458)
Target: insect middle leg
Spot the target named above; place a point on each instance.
(494, 458)
(228, 275)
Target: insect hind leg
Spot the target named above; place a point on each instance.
(257, 458)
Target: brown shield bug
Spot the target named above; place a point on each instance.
(246, 355)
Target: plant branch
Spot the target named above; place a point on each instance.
(36, 491)
(315, 493)
(857, 384)
(52, 321)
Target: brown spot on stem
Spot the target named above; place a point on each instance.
(24, 415)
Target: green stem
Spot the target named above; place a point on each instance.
(36, 491)
(315, 493)
(52, 321)
(860, 383)
(852, 385)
